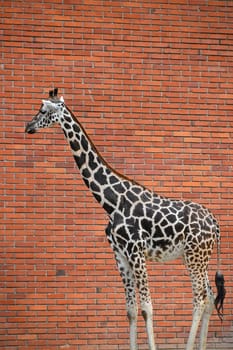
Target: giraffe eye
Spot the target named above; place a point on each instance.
(42, 112)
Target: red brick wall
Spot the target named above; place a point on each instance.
(152, 82)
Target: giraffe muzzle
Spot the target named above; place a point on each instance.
(30, 128)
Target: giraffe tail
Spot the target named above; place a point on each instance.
(221, 292)
(219, 281)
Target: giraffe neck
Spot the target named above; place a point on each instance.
(106, 185)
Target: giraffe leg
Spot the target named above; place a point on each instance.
(128, 279)
(147, 313)
(145, 299)
(132, 316)
(205, 320)
(197, 315)
(201, 305)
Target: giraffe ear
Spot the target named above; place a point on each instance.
(62, 99)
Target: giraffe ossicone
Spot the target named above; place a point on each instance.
(143, 226)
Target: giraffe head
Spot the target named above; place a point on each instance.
(48, 114)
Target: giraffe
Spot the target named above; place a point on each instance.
(143, 226)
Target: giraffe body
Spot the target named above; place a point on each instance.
(143, 226)
(167, 228)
